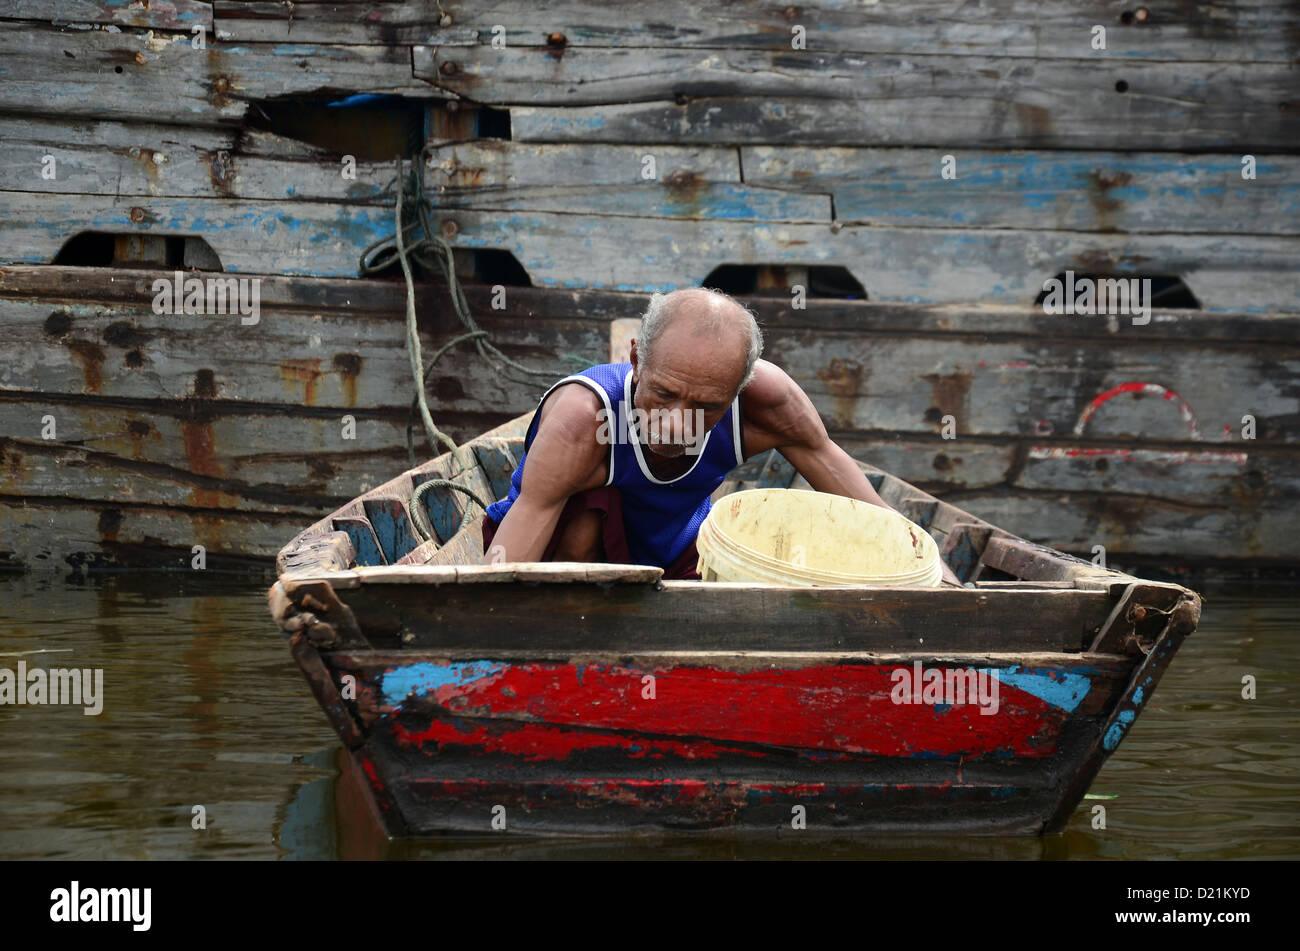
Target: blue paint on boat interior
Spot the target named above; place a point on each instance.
(1060, 688)
(363, 542)
(1137, 695)
(1117, 730)
(400, 683)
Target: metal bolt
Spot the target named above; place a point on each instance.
(1141, 14)
(837, 227)
(556, 39)
(159, 158)
(134, 152)
(137, 215)
(453, 105)
(450, 229)
(448, 68)
(223, 84)
(445, 20)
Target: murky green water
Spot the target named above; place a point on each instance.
(204, 707)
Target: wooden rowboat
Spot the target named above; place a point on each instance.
(595, 698)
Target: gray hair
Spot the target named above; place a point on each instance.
(655, 320)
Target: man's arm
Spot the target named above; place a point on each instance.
(779, 415)
(564, 458)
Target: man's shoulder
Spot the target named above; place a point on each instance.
(771, 386)
(573, 413)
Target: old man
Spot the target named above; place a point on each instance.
(620, 459)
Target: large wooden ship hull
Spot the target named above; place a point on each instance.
(919, 173)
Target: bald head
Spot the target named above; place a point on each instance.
(711, 321)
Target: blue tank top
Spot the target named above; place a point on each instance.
(661, 518)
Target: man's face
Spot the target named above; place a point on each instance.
(686, 390)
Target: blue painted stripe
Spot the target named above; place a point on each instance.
(399, 684)
(1117, 730)
(1059, 688)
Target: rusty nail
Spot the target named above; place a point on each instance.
(137, 214)
(134, 152)
(1139, 612)
(159, 158)
(448, 68)
(556, 39)
(450, 229)
(445, 20)
(837, 227)
(139, 58)
(1141, 14)
(222, 84)
(790, 13)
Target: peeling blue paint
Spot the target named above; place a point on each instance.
(1060, 688)
(402, 682)
(1117, 730)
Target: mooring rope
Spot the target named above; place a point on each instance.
(420, 514)
(430, 250)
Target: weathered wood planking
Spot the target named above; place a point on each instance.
(1260, 31)
(756, 97)
(895, 383)
(158, 165)
(1067, 191)
(1137, 529)
(63, 534)
(1078, 191)
(162, 78)
(1061, 191)
(323, 238)
(500, 163)
(927, 265)
(163, 161)
(1000, 373)
(228, 458)
(690, 616)
(890, 121)
(248, 236)
(1190, 502)
(338, 359)
(180, 15)
(841, 352)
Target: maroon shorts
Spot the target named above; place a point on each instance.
(609, 502)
